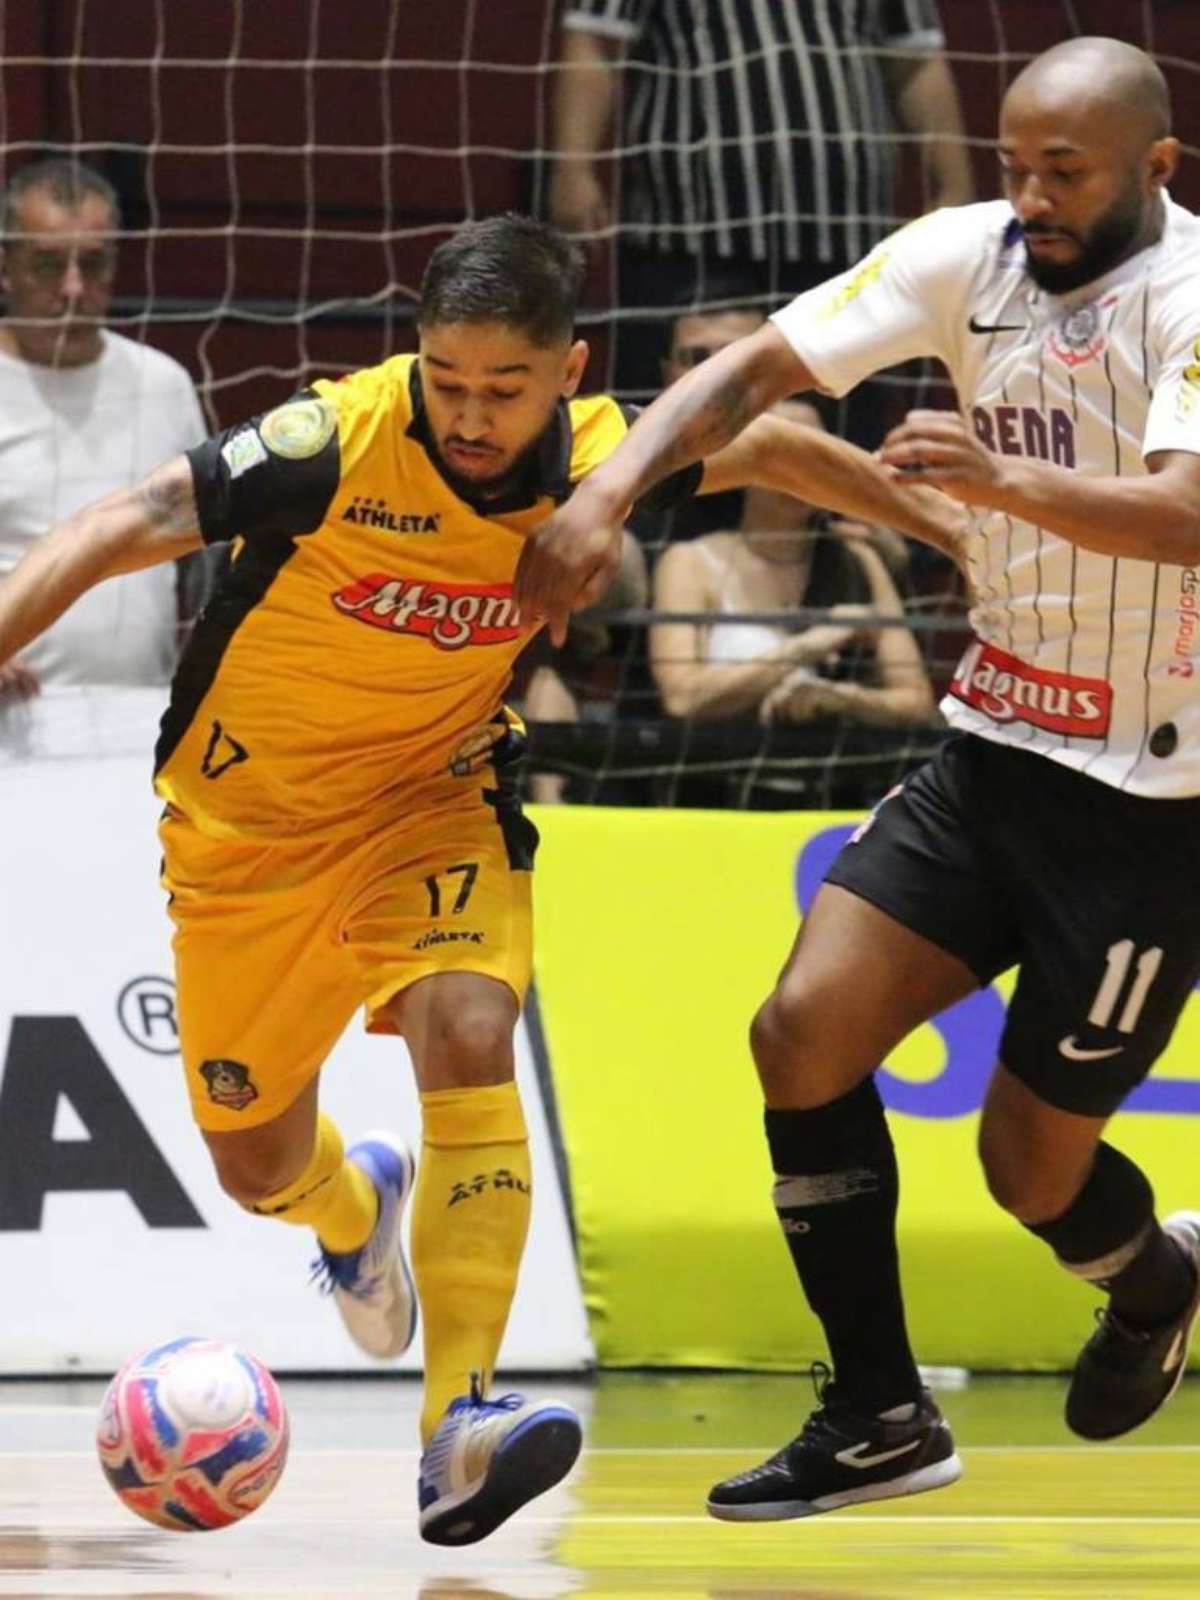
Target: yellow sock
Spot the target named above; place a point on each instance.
(470, 1218)
(331, 1195)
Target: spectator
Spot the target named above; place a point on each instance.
(759, 142)
(782, 558)
(83, 412)
(586, 680)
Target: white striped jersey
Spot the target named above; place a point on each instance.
(759, 128)
(1092, 660)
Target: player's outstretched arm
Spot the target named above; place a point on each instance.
(823, 470)
(154, 521)
(573, 556)
(1155, 517)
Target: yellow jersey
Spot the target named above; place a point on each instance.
(366, 624)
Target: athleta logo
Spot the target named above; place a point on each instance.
(448, 936)
(1007, 689)
(502, 1178)
(451, 614)
(370, 513)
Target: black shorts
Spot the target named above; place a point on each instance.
(1005, 858)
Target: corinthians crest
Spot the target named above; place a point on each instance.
(1080, 333)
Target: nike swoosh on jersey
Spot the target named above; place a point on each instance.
(1073, 1052)
(852, 1456)
(994, 327)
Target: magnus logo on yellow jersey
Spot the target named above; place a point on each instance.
(451, 615)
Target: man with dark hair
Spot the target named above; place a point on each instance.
(83, 412)
(542, 272)
(1055, 830)
(342, 827)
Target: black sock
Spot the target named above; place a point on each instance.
(836, 1192)
(1109, 1235)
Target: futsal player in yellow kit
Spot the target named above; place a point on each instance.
(341, 824)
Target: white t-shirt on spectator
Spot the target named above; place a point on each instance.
(68, 436)
(1090, 660)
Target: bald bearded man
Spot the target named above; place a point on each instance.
(1055, 828)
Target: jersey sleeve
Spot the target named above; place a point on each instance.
(615, 19)
(912, 25)
(1173, 421)
(276, 474)
(896, 304)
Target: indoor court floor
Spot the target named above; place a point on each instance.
(1038, 1516)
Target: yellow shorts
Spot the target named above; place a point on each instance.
(277, 944)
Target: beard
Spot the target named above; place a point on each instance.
(504, 482)
(1109, 241)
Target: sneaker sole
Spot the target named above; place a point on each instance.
(935, 1476)
(397, 1346)
(1187, 1224)
(531, 1460)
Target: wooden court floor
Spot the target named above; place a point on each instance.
(1037, 1517)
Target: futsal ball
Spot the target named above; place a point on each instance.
(193, 1435)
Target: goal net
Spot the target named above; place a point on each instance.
(284, 172)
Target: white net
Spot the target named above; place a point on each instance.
(284, 172)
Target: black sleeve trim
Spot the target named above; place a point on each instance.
(672, 491)
(244, 489)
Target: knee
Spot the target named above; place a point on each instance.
(471, 1045)
(1028, 1189)
(251, 1170)
(781, 1042)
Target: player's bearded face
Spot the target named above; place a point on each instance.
(1084, 253)
(490, 395)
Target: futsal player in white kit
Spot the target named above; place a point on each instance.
(1059, 828)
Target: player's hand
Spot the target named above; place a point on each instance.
(566, 564)
(17, 682)
(474, 750)
(939, 449)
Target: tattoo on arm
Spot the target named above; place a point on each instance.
(719, 419)
(168, 497)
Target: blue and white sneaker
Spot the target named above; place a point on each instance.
(487, 1458)
(373, 1287)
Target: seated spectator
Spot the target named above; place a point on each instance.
(780, 558)
(583, 680)
(696, 335)
(83, 411)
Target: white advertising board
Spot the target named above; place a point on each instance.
(113, 1232)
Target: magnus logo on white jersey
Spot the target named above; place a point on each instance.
(1007, 689)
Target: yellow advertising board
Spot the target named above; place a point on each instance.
(658, 934)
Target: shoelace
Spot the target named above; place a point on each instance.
(502, 1402)
(1114, 1345)
(330, 1272)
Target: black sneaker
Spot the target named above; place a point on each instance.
(841, 1459)
(1125, 1374)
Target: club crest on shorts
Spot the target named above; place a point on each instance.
(229, 1084)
